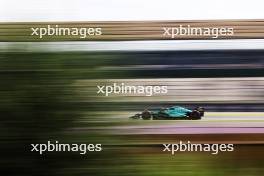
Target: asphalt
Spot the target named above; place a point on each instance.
(211, 123)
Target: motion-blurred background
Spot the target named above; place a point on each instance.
(48, 89)
(51, 95)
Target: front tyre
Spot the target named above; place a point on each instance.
(146, 115)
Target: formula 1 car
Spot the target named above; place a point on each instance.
(172, 113)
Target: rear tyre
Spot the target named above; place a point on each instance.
(201, 110)
(195, 115)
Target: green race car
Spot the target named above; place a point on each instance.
(172, 113)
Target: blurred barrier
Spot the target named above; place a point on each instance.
(135, 46)
(191, 90)
(134, 30)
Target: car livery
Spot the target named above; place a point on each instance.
(172, 113)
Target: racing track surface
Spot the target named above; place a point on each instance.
(215, 127)
(212, 123)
